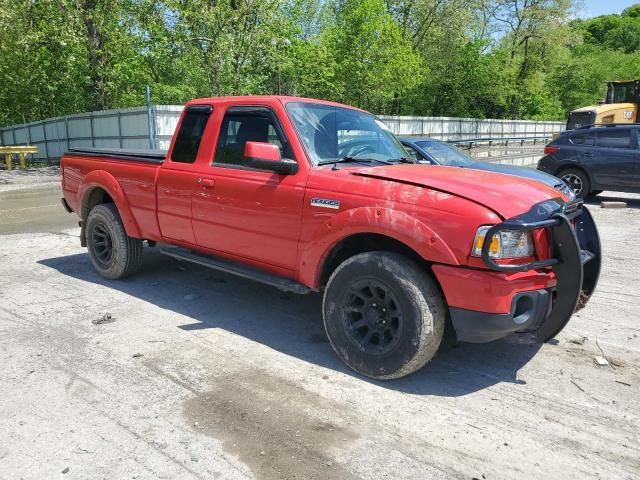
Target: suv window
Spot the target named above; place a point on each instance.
(239, 128)
(584, 139)
(412, 153)
(190, 134)
(614, 138)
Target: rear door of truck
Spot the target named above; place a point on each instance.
(178, 177)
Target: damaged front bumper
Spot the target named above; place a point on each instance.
(575, 261)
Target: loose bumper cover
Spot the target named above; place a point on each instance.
(575, 260)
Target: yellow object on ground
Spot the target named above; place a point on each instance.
(20, 150)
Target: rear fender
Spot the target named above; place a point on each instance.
(108, 183)
(383, 221)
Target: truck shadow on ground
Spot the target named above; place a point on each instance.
(292, 324)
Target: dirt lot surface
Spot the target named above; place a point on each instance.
(198, 374)
(11, 180)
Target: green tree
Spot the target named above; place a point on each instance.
(375, 64)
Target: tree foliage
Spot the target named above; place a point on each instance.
(477, 58)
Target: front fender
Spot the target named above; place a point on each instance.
(108, 183)
(383, 221)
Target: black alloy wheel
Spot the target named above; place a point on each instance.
(372, 316)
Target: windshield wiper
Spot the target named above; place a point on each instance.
(402, 160)
(341, 160)
(348, 159)
(365, 161)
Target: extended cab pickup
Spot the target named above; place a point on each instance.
(308, 195)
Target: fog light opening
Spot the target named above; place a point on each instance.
(523, 310)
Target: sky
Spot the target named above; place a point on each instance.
(593, 8)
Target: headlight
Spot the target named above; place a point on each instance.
(504, 244)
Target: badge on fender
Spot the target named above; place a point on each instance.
(325, 203)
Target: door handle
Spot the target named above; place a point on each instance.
(206, 182)
(588, 154)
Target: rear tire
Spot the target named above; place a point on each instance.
(113, 253)
(384, 314)
(577, 181)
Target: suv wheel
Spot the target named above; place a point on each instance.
(384, 314)
(577, 181)
(113, 253)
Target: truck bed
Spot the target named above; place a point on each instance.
(137, 155)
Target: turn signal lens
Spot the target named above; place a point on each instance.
(494, 248)
(504, 244)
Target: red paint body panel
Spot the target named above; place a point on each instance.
(267, 220)
(487, 291)
(509, 198)
(130, 184)
(175, 190)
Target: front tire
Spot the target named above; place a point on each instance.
(384, 314)
(113, 253)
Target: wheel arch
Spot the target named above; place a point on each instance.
(362, 243)
(101, 187)
(368, 229)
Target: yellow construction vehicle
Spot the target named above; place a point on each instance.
(620, 106)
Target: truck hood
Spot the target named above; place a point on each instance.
(506, 195)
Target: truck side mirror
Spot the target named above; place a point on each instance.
(266, 156)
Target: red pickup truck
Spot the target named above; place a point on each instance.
(314, 196)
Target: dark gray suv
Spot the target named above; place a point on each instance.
(596, 158)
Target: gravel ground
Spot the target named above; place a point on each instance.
(202, 375)
(31, 177)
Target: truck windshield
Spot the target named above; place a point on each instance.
(446, 154)
(331, 133)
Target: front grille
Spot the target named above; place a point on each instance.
(572, 209)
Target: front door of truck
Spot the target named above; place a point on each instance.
(246, 212)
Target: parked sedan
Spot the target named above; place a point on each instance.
(596, 158)
(436, 152)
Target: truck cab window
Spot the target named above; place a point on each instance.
(192, 128)
(240, 128)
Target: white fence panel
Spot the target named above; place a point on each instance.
(129, 128)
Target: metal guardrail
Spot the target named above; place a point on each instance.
(21, 151)
(490, 141)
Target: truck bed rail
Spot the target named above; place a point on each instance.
(149, 156)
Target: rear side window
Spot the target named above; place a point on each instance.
(189, 137)
(584, 140)
(614, 138)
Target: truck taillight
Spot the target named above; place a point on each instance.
(550, 150)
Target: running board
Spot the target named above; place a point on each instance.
(236, 269)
